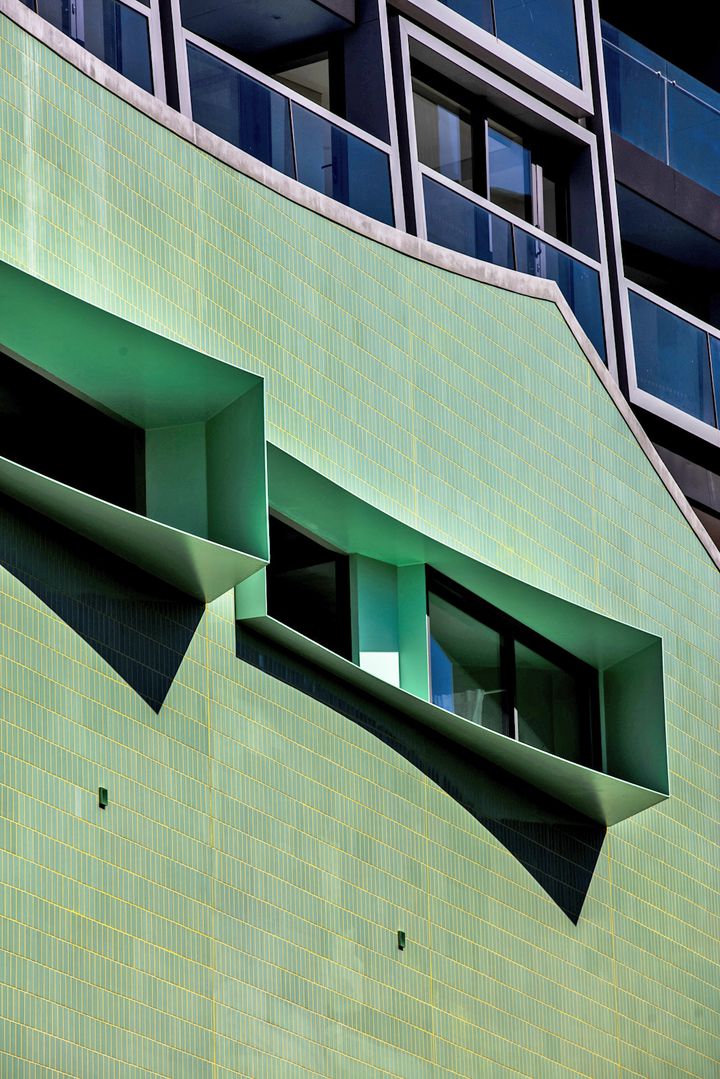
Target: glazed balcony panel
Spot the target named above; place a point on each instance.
(298, 141)
(463, 224)
(117, 33)
(662, 110)
(674, 357)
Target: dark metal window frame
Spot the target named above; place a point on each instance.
(511, 631)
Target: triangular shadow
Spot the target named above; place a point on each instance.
(139, 625)
(556, 845)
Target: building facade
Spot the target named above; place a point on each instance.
(358, 513)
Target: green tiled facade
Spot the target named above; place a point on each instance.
(235, 909)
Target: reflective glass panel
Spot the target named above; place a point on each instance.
(113, 32)
(579, 284)
(509, 172)
(240, 110)
(465, 669)
(477, 11)
(444, 134)
(636, 100)
(460, 224)
(342, 166)
(694, 128)
(715, 356)
(547, 705)
(544, 30)
(671, 358)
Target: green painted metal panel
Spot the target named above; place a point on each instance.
(176, 477)
(635, 741)
(236, 475)
(412, 622)
(374, 607)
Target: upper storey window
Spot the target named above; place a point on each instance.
(544, 30)
(461, 141)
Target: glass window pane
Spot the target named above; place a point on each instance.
(115, 33)
(694, 138)
(636, 101)
(715, 356)
(671, 358)
(477, 11)
(465, 670)
(460, 224)
(444, 134)
(544, 30)
(509, 172)
(579, 284)
(240, 110)
(342, 166)
(308, 587)
(547, 702)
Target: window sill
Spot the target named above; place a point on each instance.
(198, 566)
(600, 797)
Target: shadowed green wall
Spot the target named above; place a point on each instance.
(235, 909)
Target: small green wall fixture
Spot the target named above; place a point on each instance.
(204, 525)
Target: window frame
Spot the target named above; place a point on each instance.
(511, 631)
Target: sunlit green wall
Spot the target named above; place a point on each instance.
(235, 909)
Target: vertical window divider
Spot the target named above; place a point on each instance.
(507, 669)
(293, 144)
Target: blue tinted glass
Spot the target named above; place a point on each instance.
(132, 50)
(509, 172)
(636, 100)
(715, 355)
(477, 11)
(544, 30)
(240, 110)
(671, 359)
(458, 223)
(694, 138)
(342, 166)
(465, 668)
(113, 32)
(579, 284)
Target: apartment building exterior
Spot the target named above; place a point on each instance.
(359, 517)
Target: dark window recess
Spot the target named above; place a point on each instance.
(495, 672)
(308, 587)
(45, 427)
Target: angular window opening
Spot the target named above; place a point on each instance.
(51, 430)
(497, 673)
(308, 587)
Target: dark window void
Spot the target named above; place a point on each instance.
(50, 430)
(308, 587)
(499, 674)
(669, 257)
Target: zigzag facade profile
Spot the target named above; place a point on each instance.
(359, 525)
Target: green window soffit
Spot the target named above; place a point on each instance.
(205, 523)
(389, 558)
